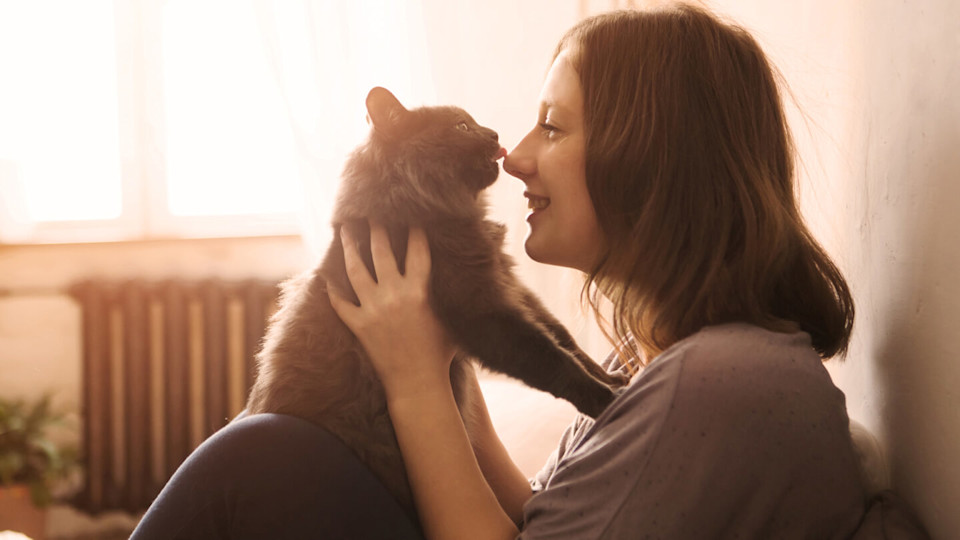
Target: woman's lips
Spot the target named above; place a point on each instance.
(536, 202)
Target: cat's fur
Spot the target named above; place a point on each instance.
(424, 167)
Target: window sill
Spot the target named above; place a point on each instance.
(49, 269)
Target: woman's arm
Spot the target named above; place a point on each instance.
(505, 478)
(412, 353)
(453, 498)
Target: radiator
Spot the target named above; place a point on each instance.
(165, 365)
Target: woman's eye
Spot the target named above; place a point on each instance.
(462, 126)
(547, 127)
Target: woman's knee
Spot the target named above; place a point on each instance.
(280, 476)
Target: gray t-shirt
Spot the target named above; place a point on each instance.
(734, 432)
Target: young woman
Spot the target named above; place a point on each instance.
(662, 168)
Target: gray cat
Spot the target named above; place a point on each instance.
(424, 167)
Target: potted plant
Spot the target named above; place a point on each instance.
(30, 464)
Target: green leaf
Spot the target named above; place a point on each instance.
(40, 493)
(39, 417)
(27, 455)
(10, 465)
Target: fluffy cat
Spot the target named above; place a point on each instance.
(425, 167)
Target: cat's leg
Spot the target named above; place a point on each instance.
(475, 295)
(566, 341)
(507, 342)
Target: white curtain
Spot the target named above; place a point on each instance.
(488, 57)
(325, 56)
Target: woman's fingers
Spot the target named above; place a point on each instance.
(348, 312)
(384, 262)
(418, 255)
(394, 322)
(389, 284)
(361, 280)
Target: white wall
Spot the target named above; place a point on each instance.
(878, 82)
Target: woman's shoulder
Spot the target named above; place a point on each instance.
(735, 342)
(745, 356)
(744, 343)
(740, 352)
(733, 367)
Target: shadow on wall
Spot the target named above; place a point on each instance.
(911, 249)
(916, 355)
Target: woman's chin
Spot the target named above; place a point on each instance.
(539, 253)
(533, 251)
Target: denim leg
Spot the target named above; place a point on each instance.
(274, 476)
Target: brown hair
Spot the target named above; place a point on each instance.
(690, 167)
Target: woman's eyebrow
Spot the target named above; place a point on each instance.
(554, 106)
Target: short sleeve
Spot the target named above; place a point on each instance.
(573, 432)
(591, 477)
(572, 435)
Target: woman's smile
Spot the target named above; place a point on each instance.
(535, 203)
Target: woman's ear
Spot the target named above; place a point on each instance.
(385, 111)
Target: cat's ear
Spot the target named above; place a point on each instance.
(385, 111)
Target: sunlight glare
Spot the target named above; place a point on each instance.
(230, 147)
(58, 110)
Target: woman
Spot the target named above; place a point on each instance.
(662, 168)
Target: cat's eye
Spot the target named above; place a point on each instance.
(462, 126)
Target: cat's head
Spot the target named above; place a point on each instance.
(443, 148)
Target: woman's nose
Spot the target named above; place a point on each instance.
(520, 162)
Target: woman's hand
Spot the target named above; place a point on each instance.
(407, 345)
(411, 352)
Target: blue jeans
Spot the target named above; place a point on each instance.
(274, 476)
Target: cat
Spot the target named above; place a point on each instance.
(422, 167)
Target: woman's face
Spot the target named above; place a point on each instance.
(550, 161)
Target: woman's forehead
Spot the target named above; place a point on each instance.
(561, 89)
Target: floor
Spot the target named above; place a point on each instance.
(65, 523)
(529, 423)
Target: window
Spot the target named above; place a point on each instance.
(140, 119)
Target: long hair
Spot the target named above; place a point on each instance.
(690, 167)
